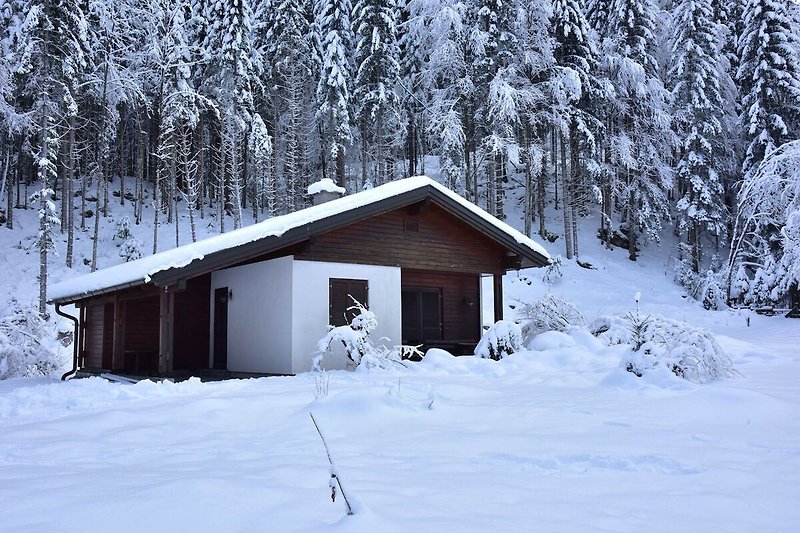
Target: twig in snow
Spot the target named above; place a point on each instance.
(334, 474)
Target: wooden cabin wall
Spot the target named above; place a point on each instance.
(94, 333)
(141, 324)
(191, 329)
(425, 239)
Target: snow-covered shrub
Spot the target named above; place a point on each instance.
(658, 342)
(355, 337)
(24, 340)
(740, 285)
(122, 230)
(129, 247)
(705, 287)
(501, 340)
(549, 313)
(554, 272)
(712, 293)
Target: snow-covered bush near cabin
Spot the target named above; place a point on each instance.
(355, 337)
(501, 340)
(26, 344)
(659, 343)
(549, 313)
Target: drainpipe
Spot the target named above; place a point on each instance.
(74, 342)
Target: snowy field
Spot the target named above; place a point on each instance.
(557, 438)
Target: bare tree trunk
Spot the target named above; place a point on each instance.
(574, 167)
(9, 186)
(501, 180)
(141, 154)
(44, 198)
(364, 154)
(554, 160)
(121, 143)
(70, 218)
(566, 199)
(632, 226)
(96, 238)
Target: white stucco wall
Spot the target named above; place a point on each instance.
(259, 316)
(310, 307)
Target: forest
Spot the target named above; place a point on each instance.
(677, 116)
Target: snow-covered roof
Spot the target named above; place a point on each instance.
(325, 185)
(141, 271)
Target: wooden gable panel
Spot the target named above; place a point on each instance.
(431, 239)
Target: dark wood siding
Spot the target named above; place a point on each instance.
(93, 335)
(430, 239)
(460, 320)
(192, 322)
(141, 324)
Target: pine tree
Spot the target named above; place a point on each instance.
(769, 79)
(232, 69)
(575, 57)
(333, 89)
(439, 28)
(53, 44)
(641, 138)
(699, 119)
(377, 69)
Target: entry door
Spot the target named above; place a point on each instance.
(221, 328)
(422, 315)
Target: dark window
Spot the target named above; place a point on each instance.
(339, 299)
(410, 225)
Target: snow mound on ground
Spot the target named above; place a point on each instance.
(88, 394)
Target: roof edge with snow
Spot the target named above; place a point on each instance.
(224, 250)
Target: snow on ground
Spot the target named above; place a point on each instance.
(557, 438)
(552, 440)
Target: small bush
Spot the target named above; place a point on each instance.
(501, 340)
(554, 271)
(549, 313)
(24, 339)
(355, 338)
(658, 342)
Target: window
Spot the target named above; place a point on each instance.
(339, 299)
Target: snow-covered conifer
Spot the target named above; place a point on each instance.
(697, 93)
(333, 89)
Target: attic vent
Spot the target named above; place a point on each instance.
(411, 226)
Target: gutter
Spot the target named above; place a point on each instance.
(74, 370)
(97, 292)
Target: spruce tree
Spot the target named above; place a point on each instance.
(333, 88)
(699, 120)
(769, 79)
(377, 70)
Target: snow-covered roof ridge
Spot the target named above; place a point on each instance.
(142, 270)
(325, 185)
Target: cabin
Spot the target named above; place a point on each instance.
(256, 300)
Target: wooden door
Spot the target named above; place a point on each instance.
(422, 315)
(221, 328)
